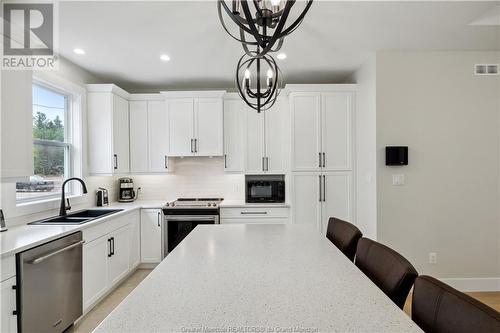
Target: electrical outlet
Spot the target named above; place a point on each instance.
(433, 258)
(398, 180)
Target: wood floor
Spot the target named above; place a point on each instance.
(492, 299)
(100, 311)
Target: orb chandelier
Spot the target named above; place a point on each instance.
(259, 91)
(265, 21)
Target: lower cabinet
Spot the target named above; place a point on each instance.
(151, 220)
(254, 215)
(8, 319)
(107, 259)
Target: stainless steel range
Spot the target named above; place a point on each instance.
(183, 215)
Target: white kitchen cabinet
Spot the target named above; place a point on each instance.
(306, 207)
(151, 220)
(305, 123)
(139, 153)
(266, 140)
(107, 256)
(254, 215)
(321, 154)
(180, 129)
(95, 270)
(135, 239)
(16, 125)
(120, 255)
(195, 123)
(8, 323)
(108, 129)
(337, 197)
(255, 141)
(336, 130)
(158, 137)
(234, 134)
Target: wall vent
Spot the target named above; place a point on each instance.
(486, 69)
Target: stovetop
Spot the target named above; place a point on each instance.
(194, 203)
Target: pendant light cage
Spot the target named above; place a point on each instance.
(259, 81)
(262, 24)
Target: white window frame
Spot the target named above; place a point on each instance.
(74, 127)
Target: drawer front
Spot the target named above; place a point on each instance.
(254, 221)
(105, 227)
(255, 212)
(7, 267)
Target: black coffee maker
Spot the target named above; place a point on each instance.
(126, 192)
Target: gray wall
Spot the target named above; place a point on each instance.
(449, 118)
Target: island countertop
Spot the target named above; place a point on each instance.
(257, 278)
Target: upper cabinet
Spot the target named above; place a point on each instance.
(148, 134)
(108, 129)
(266, 139)
(195, 123)
(321, 130)
(234, 133)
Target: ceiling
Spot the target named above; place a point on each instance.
(124, 40)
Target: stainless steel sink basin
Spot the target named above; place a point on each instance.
(80, 217)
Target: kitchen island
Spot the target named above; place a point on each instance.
(256, 278)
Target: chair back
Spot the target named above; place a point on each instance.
(439, 308)
(389, 270)
(343, 235)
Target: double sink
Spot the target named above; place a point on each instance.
(79, 217)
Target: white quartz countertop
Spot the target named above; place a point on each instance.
(256, 278)
(243, 204)
(20, 238)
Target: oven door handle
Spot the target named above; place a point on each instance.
(190, 218)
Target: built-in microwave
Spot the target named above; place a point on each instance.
(265, 188)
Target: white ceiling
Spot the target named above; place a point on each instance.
(123, 40)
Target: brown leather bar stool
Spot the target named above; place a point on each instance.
(439, 308)
(343, 235)
(389, 270)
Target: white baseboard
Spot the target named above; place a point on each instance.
(474, 284)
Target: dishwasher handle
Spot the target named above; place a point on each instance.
(47, 256)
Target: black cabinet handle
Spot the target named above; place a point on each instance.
(225, 161)
(195, 145)
(109, 247)
(115, 157)
(319, 186)
(324, 160)
(319, 160)
(113, 246)
(159, 214)
(324, 188)
(166, 166)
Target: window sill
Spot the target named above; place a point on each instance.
(32, 203)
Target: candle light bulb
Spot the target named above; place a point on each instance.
(270, 73)
(247, 74)
(275, 2)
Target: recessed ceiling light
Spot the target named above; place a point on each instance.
(281, 56)
(79, 51)
(164, 57)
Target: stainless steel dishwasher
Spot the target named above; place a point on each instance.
(50, 285)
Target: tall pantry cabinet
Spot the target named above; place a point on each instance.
(322, 153)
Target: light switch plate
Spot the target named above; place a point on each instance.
(398, 180)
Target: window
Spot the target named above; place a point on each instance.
(51, 145)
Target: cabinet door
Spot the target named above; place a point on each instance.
(138, 136)
(119, 260)
(180, 127)
(337, 197)
(254, 161)
(208, 127)
(120, 135)
(95, 270)
(135, 239)
(151, 235)
(336, 114)
(158, 136)
(234, 134)
(8, 323)
(276, 138)
(306, 196)
(306, 144)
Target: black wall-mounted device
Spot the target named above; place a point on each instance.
(396, 155)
